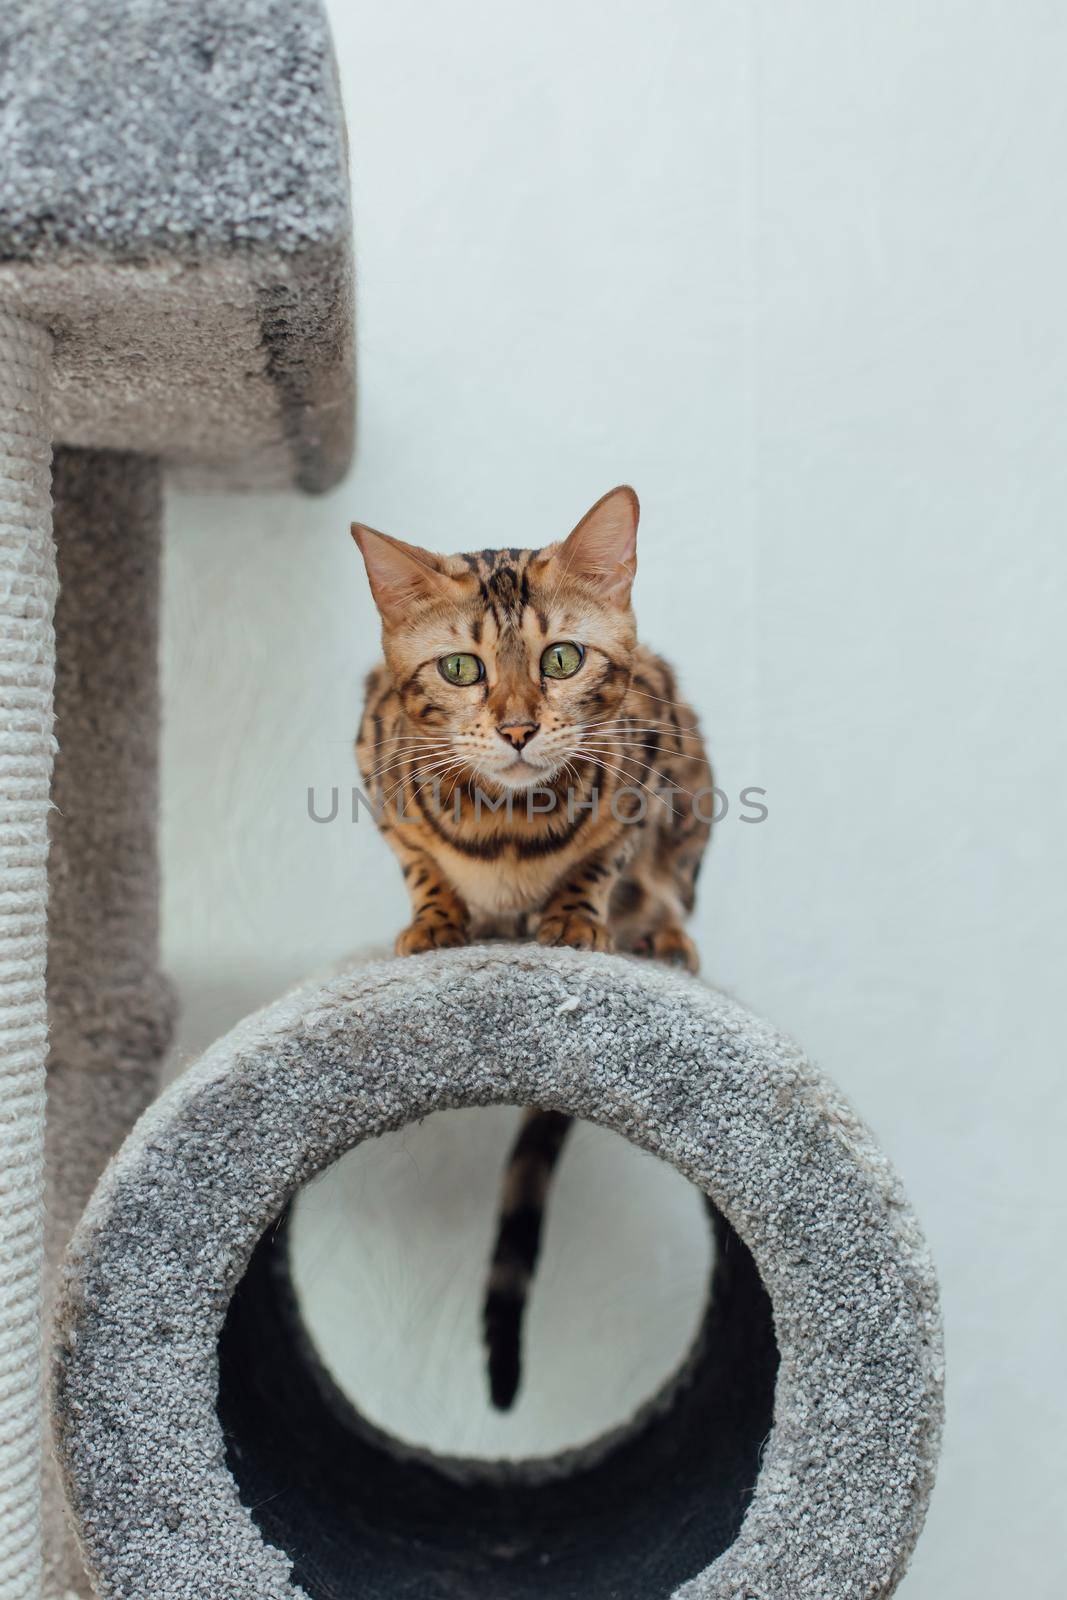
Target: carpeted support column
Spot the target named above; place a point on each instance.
(109, 1007)
(27, 598)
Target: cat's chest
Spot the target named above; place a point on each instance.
(505, 884)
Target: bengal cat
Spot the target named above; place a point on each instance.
(536, 774)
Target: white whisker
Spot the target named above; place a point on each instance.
(600, 762)
(647, 766)
(439, 765)
(401, 760)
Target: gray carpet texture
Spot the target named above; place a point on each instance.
(681, 1070)
(174, 206)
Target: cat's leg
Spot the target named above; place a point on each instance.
(439, 914)
(679, 860)
(576, 912)
(669, 942)
(650, 902)
(657, 892)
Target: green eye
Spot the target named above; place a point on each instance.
(461, 668)
(562, 660)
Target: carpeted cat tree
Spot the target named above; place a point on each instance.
(175, 295)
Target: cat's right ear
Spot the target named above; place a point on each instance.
(398, 573)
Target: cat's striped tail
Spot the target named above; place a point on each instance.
(525, 1190)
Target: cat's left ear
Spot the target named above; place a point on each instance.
(602, 550)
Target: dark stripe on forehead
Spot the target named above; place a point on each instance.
(503, 584)
(487, 602)
(488, 560)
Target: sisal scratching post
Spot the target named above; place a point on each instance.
(27, 598)
(175, 245)
(109, 1007)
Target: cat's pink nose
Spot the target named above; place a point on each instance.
(517, 734)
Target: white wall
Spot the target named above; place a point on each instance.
(797, 272)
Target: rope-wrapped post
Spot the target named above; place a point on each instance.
(109, 1008)
(27, 656)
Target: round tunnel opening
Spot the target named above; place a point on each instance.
(389, 1254)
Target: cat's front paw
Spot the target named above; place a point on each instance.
(575, 931)
(671, 944)
(422, 935)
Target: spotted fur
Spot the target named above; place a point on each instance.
(574, 810)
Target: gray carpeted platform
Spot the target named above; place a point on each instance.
(178, 1251)
(174, 206)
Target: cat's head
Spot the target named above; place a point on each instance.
(505, 660)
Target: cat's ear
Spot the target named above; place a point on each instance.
(399, 573)
(602, 550)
